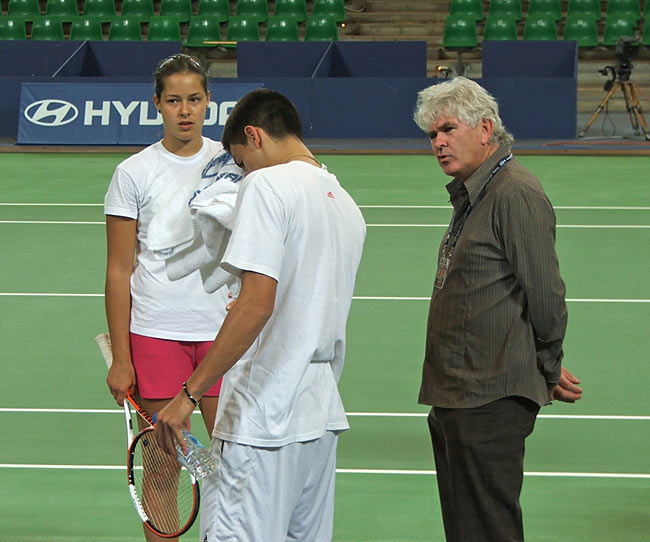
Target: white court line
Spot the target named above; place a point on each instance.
(600, 208)
(46, 294)
(73, 222)
(568, 300)
(68, 411)
(349, 471)
(547, 416)
(428, 298)
(531, 473)
(405, 207)
(605, 226)
(407, 225)
(566, 226)
(565, 207)
(351, 414)
(52, 204)
(60, 467)
(574, 226)
(355, 298)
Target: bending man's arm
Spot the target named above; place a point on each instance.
(244, 322)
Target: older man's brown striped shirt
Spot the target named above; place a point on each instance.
(496, 327)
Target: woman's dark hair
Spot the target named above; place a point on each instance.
(178, 64)
(262, 108)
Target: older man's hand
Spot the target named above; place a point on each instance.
(567, 389)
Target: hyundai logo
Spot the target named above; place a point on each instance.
(51, 112)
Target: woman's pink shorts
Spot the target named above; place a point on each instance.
(162, 365)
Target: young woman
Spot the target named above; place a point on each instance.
(160, 329)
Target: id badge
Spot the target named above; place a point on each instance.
(441, 273)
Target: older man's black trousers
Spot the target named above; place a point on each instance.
(479, 456)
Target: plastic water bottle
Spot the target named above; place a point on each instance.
(198, 461)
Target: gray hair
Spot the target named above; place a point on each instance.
(464, 99)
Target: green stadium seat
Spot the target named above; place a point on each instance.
(321, 28)
(467, 8)
(46, 28)
(646, 10)
(506, 8)
(243, 28)
(65, 9)
(631, 7)
(257, 10)
(216, 8)
(291, 8)
(164, 28)
(125, 29)
(617, 26)
(280, 28)
(181, 9)
(24, 8)
(582, 29)
(203, 28)
(584, 8)
(460, 31)
(500, 28)
(104, 9)
(335, 8)
(12, 28)
(540, 28)
(86, 28)
(143, 9)
(545, 7)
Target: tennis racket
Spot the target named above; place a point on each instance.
(165, 495)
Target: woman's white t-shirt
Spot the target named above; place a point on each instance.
(176, 310)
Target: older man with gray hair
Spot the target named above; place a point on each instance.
(497, 317)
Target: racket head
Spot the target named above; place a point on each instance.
(165, 495)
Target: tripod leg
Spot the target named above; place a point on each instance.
(629, 105)
(602, 106)
(638, 112)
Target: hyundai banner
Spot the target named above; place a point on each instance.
(108, 113)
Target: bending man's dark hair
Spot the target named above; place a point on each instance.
(179, 63)
(262, 108)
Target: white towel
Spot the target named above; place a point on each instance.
(211, 212)
(171, 228)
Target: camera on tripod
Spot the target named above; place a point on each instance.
(626, 49)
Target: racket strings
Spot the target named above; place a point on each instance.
(165, 490)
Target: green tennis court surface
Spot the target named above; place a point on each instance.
(588, 467)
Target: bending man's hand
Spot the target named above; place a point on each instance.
(245, 320)
(170, 422)
(567, 389)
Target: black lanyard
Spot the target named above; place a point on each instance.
(448, 250)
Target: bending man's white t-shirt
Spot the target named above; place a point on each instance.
(296, 224)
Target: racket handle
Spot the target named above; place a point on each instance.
(103, 340)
